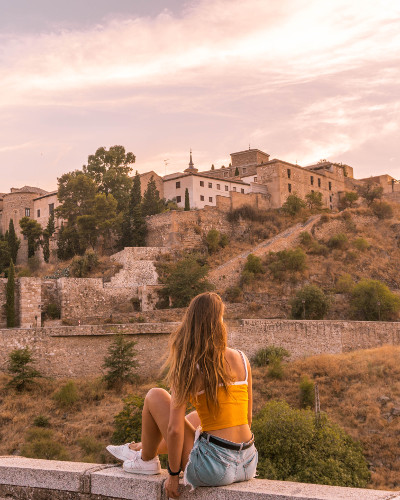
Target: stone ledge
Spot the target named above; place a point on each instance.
(23, 478)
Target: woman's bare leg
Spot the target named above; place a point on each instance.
(155, 417)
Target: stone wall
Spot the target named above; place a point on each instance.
(30, 302)
(80, 351)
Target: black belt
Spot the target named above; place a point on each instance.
(227, 444)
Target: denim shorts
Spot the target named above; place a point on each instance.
(213, 465)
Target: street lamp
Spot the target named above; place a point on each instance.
(379, 310)
(304, 308)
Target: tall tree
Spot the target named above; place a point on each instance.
(33, 231)
(135, 199)
(237, 173)
(187, 202)
(370, 191)
(13, 241)
(105, 213)
(139, 228)
(151, 203)
(76, 192)
(47, 234)
(69, 242)
(5, 254)
(10, 296)
(110, 171)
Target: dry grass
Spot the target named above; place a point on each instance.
(350, 386)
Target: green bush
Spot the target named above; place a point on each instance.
(361, 244)
(41, 421)
(19, 366)
(39, 443)
(120, 362)
(309, 303)
(294, 446)
(291, 261)
(317, 248)
(82, 266)
(305, 238)
(53, 311)
(263, 357)
(128, 423)
(339, 241)
(34, 263)
(67, 395)
(254, 265)
(307, 393)
(371, 300)
(92, 449)
(212, 240)
(276, 368)
(344, 284)
(234, 294)
(382, 209)
(293, 205)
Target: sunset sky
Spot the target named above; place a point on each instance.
(299, 79)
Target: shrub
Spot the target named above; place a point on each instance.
(286, 261)
(91, 448)
(24, 272)
(339, 241)
(307, 393)
(305, 238)
(348, 200)
(135, 301)
(317, 248)
(344, 284)
(10, 297)
(39, 443)
(223, 240)
(275, 368)
(234, 294)
(19, 366)
(82, 266)
(41, 421)
(370, 192)
(314, 200)
(253, 264)
(92, 390)
(120, 362)
(53, 311)
(293, 446)
(382, 209)
(361, 244)
(212, 240)
(371, 300)
(309, 303)
(264, 356)
(128, 423)
(34, 263)
(293, 205)
(67, 395)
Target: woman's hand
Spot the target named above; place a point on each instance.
(172, 486)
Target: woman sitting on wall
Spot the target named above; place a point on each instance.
(216, 380)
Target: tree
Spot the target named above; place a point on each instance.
(13, 242)
(5, 255)
(110, 171)
(69, 242)
(237, 173)
(76, 192)
(293, 205)
(33, 231)
(294, 445)
(314, 200)
(309, 303)
(371, 300)
(187, 202)
(212, 240)
(47, 234)
(151, 199)
(370, 192)
(87, 229)
(185, 279)
(105, 214)
(19, 366)
(10, 296)
(134, 228)
(139, 228)
(348, 200)
(284, 261)
(120, 362)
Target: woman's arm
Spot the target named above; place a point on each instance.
(250, 391)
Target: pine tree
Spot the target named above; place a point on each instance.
(10, 296)
(47, 234)
(19, 367)
(129, 225)
(187, 202)
(138, 228)
(33, 231)
(120, 362)
(13, 241)
(237, 172)
(151, 199)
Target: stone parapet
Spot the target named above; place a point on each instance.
(23, 478)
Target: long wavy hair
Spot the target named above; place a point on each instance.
(197, 352)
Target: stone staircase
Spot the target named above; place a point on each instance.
(227, 274)
(138, 267)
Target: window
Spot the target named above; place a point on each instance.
(234, 188)
(319, 183)
(225, 174)
(218, 186)
(38, 212)
(330, 198)
(210, 184)
(27, 212)
(244, 169)
(202, 183)
(289, 173)
(255, 179)
(210, 199)
(178, 185)
(51, 208)
(201, 197)
(289, 186)
(330, 186)
(242, 190)
(312, 180)
(178, 199)
(226, 188)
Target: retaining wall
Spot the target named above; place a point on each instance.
(29, 479)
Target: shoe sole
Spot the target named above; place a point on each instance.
(119, 457)
(148, 473)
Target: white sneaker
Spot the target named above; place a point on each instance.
(122, 452)
(139, 466)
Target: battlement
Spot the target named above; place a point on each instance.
(22, 478)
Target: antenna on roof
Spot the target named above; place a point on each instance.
(166, 164)
(249, 146)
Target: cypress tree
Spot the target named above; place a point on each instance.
(236, 172)
(139, 228)
(151, 199)
(10, 296)
(13, 241)
(47, 234)
(128, 220)
(187, 202)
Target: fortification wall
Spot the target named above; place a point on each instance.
(80, 351)
(3, 297)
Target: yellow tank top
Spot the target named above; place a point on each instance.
(233, 403)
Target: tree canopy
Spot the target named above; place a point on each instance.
(33, 231)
